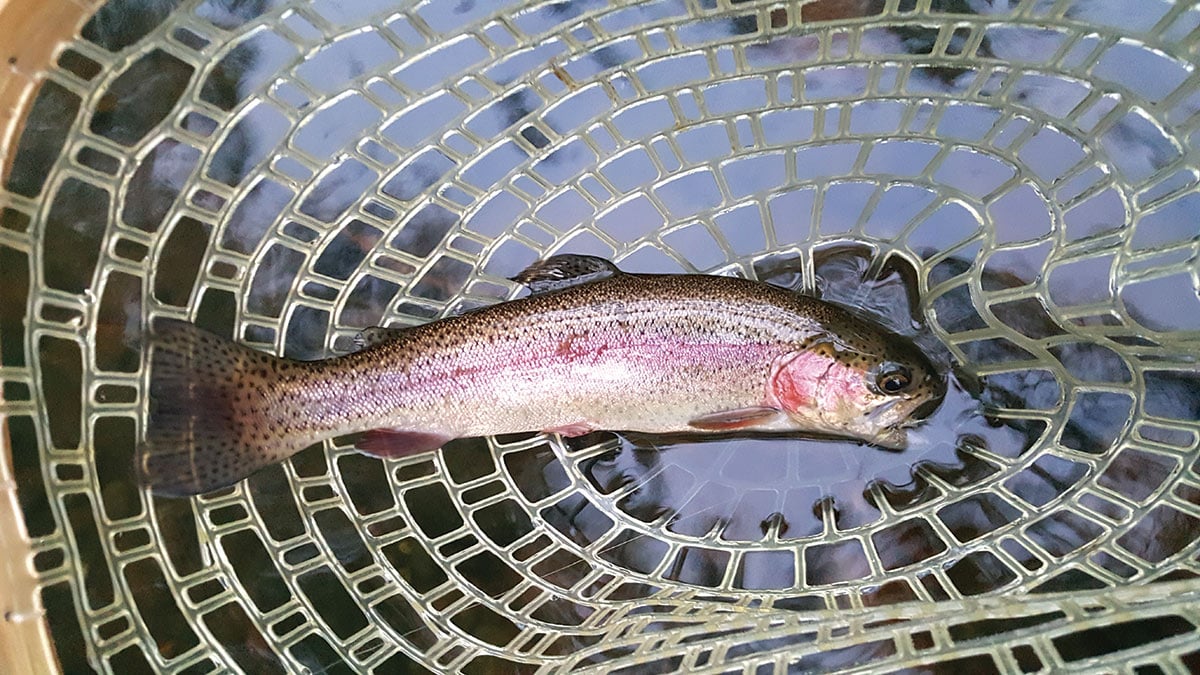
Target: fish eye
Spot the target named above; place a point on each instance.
(893, 378)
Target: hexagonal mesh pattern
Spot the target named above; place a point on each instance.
(288, 173)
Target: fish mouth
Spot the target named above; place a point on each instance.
(890, 422)
(876, 416)
(903, 412)
(878, 428)
(926, 408)
(889, 416)
(893, 438)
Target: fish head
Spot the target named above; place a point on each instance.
(869, 391)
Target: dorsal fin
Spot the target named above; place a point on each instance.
(562, 271)
(369, 337)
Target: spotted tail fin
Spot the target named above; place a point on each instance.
(210, 422)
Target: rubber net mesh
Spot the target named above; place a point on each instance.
(288, 173)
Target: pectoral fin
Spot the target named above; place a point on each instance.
(399, 442)
(729, 420)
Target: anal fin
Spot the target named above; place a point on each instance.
(729, 420)
(393, 443)
(573, 430)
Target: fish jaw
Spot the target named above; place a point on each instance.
(895, 438)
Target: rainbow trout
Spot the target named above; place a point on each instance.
(591, 348)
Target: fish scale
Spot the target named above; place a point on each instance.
(592, 349)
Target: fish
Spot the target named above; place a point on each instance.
(591, 348)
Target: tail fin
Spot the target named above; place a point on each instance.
(209, 425)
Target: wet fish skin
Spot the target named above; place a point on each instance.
(621, 352)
